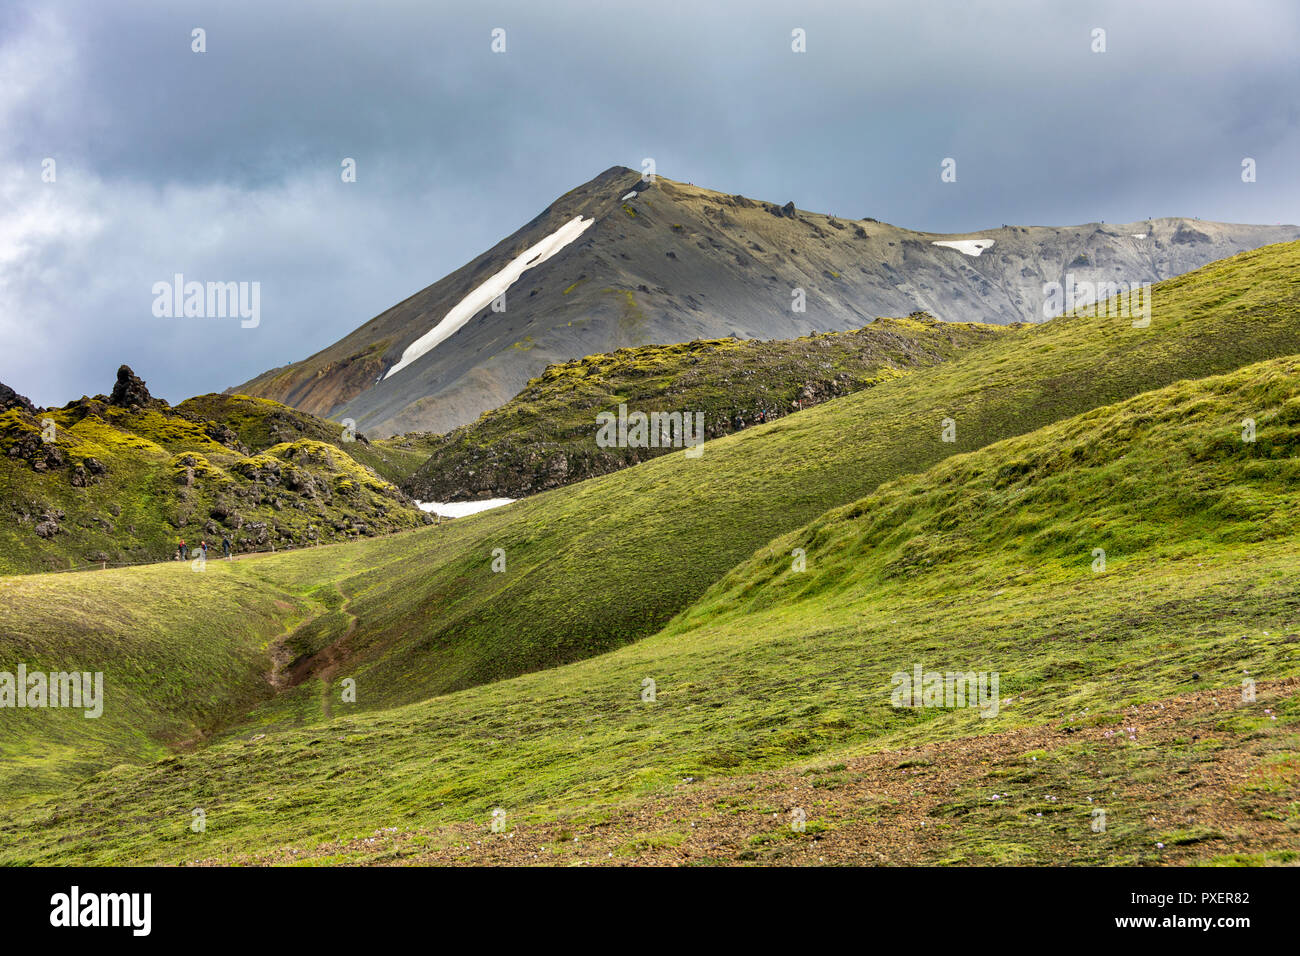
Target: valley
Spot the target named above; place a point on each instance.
(769, 589)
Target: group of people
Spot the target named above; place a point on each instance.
(183, 550)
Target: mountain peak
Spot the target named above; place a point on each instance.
(623, 261)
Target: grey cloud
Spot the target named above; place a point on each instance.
(224, 166)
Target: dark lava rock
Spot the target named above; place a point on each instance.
(1187, 236)
(129, 390)
(11, 399)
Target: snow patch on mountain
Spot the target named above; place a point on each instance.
(459, 509)
(970, 247)
(482, 297)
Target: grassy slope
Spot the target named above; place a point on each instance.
(542, 438)
(173, 672)
(984, 562)
(603, 563)
(610, 560)
(135, 511)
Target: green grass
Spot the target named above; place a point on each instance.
(775, 668)
(1057, 495)
(173, 673)
(544, 437)
(599, 565)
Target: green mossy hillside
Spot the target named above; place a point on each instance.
(984, 562)
(260, 423)
(545, 437)
(588, 568)
(122, 480)
(1190, 471)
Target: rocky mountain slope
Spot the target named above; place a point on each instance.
(620, 262)
(121, 478)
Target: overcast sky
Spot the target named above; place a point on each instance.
(225, 165)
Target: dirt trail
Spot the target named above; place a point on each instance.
(288, 672)
(282, 656)
(334, 656)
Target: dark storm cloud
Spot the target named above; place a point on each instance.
(225, 165)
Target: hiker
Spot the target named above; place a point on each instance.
(184, 552)
(225, 546)
(203, 546)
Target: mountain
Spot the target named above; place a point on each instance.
(543, 438)
(120, 478)
(621, 262)
(1122, 687)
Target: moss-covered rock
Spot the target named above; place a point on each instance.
(212, 466)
